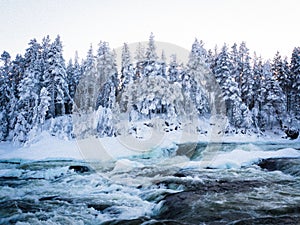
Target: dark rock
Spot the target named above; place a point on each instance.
(143, 220)
(57, 198)
(186, 149)
(179, 175)
(48, 198)
(14, 206)
(192, 207)
(292, 133)
(286, 220)
(216, 186)
(286, 165)
(80, 169)
(98, 207)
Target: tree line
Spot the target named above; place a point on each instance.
(251, 94)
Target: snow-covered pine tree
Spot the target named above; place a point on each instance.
(276, 66)
(86, 94)
(211, 59)
(73, 75)
(4, 95)
(42, 107)
(127, 70)
(87, 90)
(242, 72)
(107, 78)
(71, 85)
(45, 48)
(151, 54)
(281, 73)
(163, 65)
(139, 53)
(55, 79)
(230, 91)
(39, 116)
(16, 74)
(150, 65)
(258, 92)
(273, 100)
(247, 83)
(199, 76)
(173, 71)
(29, 90)
(154, 97)
(295, 76)
(243, 59)
(234, 59)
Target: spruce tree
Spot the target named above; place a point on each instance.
(230, 91)
(87, 88)
(107, 78)
(29, 90)
(55, 79)
(173, 71)
(295, 76)
(281, 73)
(273, 99)
(127, 70)
(4, 95)
(198, 77)
(151, 54)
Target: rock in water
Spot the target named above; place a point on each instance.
(80, 169)
(292, 133)
(286, 165)
(186, 149)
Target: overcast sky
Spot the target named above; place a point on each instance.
(266, 26)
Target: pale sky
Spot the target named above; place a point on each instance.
(266, 26)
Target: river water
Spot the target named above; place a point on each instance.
(163, 186)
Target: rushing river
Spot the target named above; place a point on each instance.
(163, 186)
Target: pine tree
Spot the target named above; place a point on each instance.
(281, 73)
(173, 71)
(163, 65)
(295, 76)
(39, 116)
(273, 99)
(87, 90)
(231, 93)
(127, 70)
(234, 59)
(258, 91)
(16, 75)
(28, 89)
(55, 79)
(107, 76)
(151, 65)
(151, 54)
(247, 83)
(4, 95)
(139, 53)
(199, 77)
(73, 76)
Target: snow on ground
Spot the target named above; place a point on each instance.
(45, 147)
(114, 148)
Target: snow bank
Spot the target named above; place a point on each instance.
(239, 158)
(45, 147)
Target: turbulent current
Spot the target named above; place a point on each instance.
(163, 186)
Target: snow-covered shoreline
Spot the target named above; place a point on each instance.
(47, 146)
